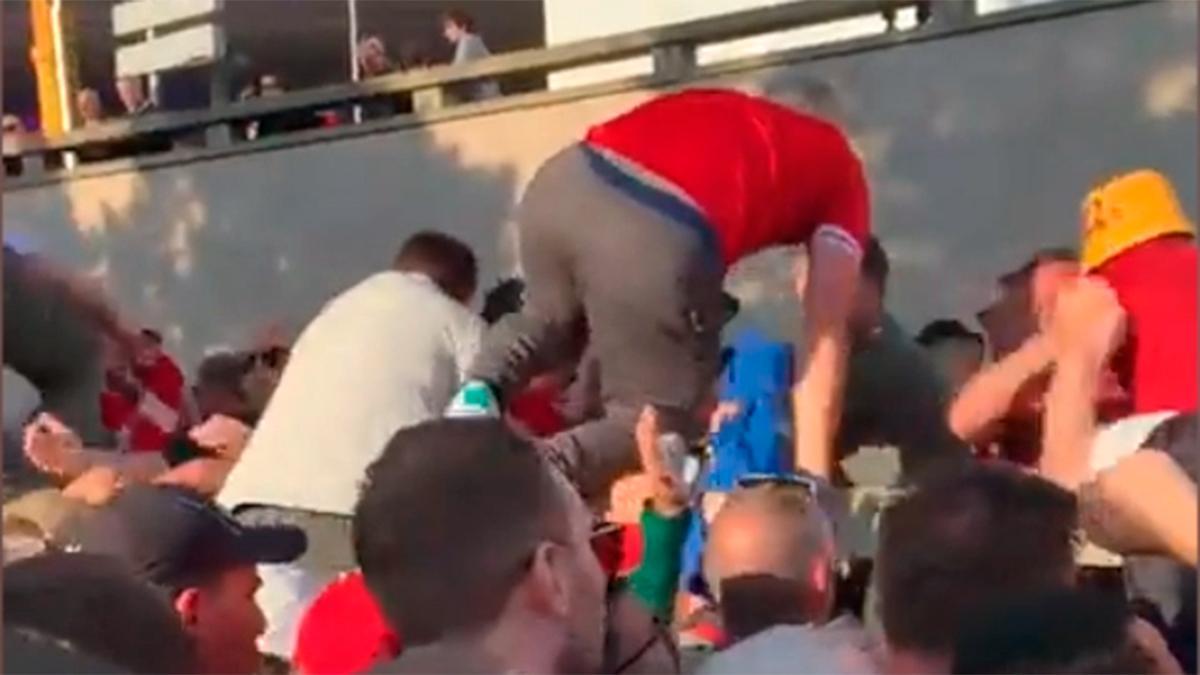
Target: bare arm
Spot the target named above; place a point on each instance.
(989, 395)
(1144, 504)
(87, 296)
(138, 467)
(1086, 327)
(57, 450)
(205, 475)
(817, 397)
(1070, 420)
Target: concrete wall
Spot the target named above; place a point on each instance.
(567, 22)
(979, 148)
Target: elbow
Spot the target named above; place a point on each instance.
(961, 420)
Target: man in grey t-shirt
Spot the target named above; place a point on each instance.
(894, 395)
(459, 30)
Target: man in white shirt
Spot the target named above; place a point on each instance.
(386, 354)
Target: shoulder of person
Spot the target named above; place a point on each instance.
(778, 649)
(473, 46)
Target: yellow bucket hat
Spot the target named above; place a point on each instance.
(1129, 210)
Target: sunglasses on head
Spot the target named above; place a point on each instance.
(751, 480)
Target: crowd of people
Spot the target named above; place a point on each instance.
(593, 476)
(458, 29)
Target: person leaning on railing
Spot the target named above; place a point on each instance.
(459, 29)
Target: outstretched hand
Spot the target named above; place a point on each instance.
(1087, 319)
(54, 448)
(223, 435)
(668, 491)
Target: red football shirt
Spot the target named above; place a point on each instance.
(150, 420)
(763, 174)
(1156, 284)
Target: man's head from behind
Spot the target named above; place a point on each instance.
(957, 351)
(769, 559)
(1055, 631)
(961, 540)
(448, 262)
(220, 387)
(201, 558)
(56, 596)
(465, 534)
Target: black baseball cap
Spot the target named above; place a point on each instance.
(173, 537)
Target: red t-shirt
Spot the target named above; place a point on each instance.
(763, 174)
(1156, 284)
(151, 420)
(537, 410)
(344, 631)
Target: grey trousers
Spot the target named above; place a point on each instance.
(650, 290)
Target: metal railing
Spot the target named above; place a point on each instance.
(672, 48)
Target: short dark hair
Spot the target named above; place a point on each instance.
(152, 335)
(224, 370)
(942, 330)
(58, 594)
(875, 264)
(1042, 256)
(447, 518)
(506, 297)
(450, 263)
(460, 18)
(1055, 631)
(965, 537)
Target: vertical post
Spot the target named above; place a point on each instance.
(45, 65)
(355, 73)
(219, 93)
(675, 62)
(956, 13)
(428, 99)
(61, 74)
(152, 80)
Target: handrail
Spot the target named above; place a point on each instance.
(686, 35)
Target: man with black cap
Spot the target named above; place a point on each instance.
(200, 556)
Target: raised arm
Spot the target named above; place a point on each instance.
(989, 395)
(1087, 325)
(828, 295)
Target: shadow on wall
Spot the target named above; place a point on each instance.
(979, 148)
(163, 242)
(976, 162)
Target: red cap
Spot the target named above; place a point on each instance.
(343, 631)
